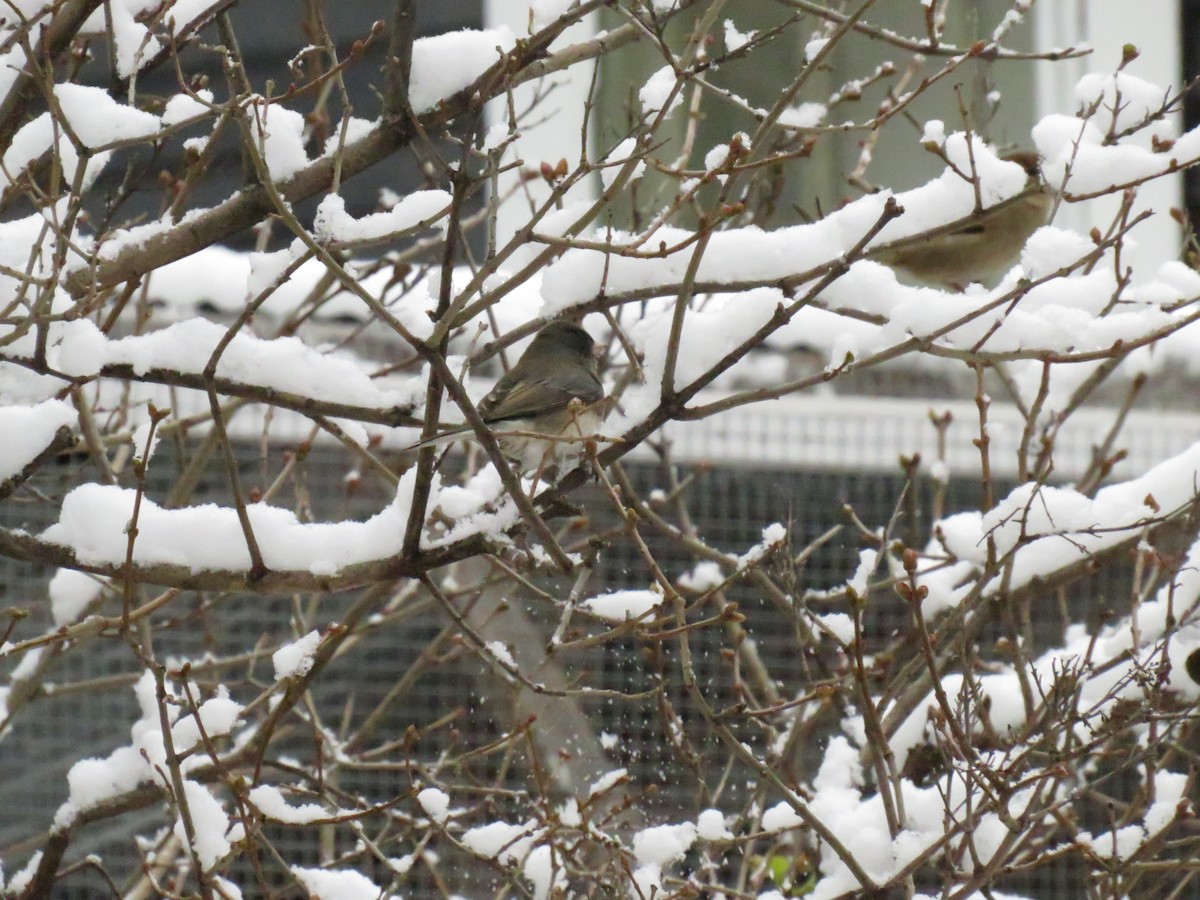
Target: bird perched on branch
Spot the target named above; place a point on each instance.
(544, 406)
(981, 248)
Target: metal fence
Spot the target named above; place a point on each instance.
(728, 504)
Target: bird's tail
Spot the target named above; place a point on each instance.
(440, 440)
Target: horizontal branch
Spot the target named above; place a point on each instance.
(395, 417)
(21, 545)
(990, 50)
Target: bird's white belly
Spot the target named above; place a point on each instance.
(563, 444)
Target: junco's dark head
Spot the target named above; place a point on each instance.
(561, 337)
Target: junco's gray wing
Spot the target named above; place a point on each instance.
(526, 397)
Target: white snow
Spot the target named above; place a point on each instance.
(284, 364)
(735, 40)
(185, 12)
(27, 431)
(136, 44)
(619, 606)
(606, 782)
(1169, 788)
(182, 107)
(133, 29)
(541, 872)
(841, 626)
(546, 11)
(656, 848)
(419, 209)
(343, 884)
(1078, 157)
(356, 129)
(93, 520)
(218, 715)
(704, 576)
(1117, 845)
(511, 844)
(21, 878)
(857, 818)
(97, 119)
(214, 835)
(226, 888)
(804, 115)
(710, 826)
(502, 841)
(501, 653)
(1046, 528)
(616, 159)
(436, 804)
(145, 442)
(781, 817)
(1110, 677)
(11, 63)
(93, 780)
(279, 132)
(663, 844)
(271, 803)
(294, 660)
(71, 593)
(445, 64)
(656, 92)
(94, 117)
(772, 536)
(867, 561)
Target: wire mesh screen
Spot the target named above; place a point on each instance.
(455, 700)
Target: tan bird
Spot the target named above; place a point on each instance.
(981, 248)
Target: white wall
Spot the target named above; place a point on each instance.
(1106, 26)
(555, 129)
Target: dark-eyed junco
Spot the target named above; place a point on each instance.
(979, 249)
(542, 407)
